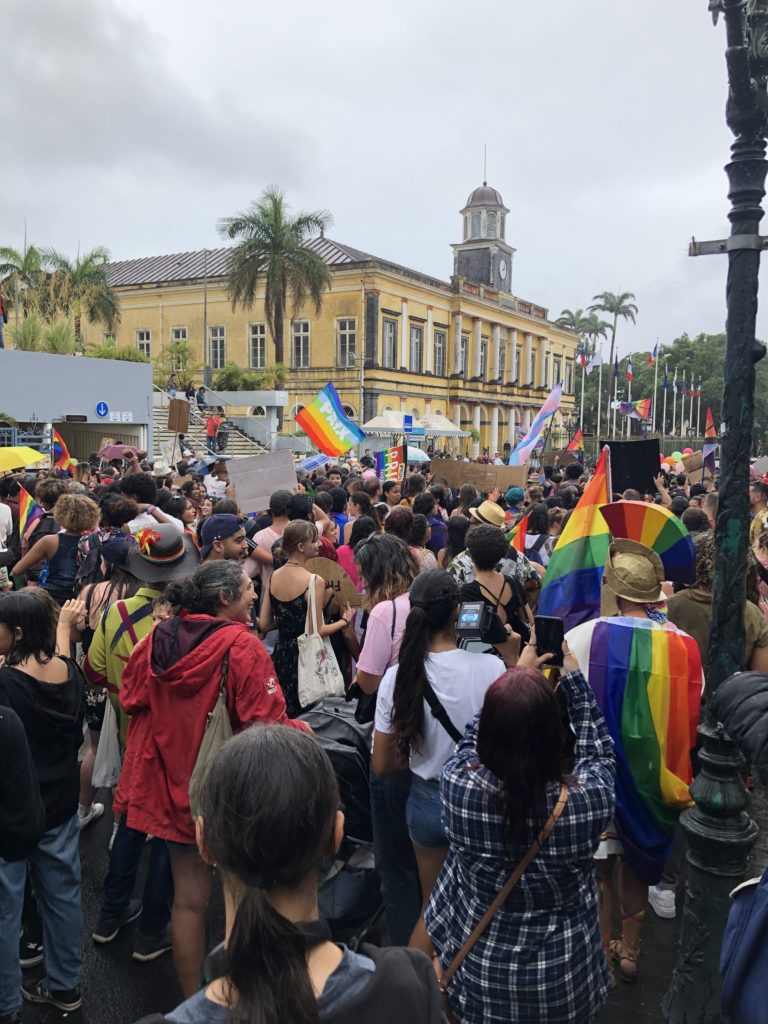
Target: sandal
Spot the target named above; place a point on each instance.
(626, 958)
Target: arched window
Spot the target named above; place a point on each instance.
(349, 411)
(476, 225)
(490, 225)
(259, 411)
(296, 410)
(387, 408)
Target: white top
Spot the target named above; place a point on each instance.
(460, 680)
(214, 487)
(144, 519)
(6, 524)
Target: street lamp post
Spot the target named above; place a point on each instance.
(718, 829)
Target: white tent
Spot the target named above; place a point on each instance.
(437, 425)
(391, 422)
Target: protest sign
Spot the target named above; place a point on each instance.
(258, 476)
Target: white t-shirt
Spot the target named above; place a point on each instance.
(460, 680)
(144, 519)
(214, 487)
(6, 524)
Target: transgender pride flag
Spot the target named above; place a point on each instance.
(524, 450)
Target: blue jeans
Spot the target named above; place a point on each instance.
(55, 867)
(121, 878)
(423, 813)
(395, 860)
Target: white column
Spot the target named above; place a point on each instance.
(476, 346)
(543, 373)
(496, 352)
(405, 337)
(526, 368)
(429, 344)
(512, 356)
(457, 416)
(511, 426)
(457, 326)
(402, 405)
(476, 426)
(493, 445)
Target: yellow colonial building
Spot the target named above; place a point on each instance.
(390, 338)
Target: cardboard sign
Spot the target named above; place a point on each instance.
(484, 478)
(338, 580)
(634, 464)
(259, 476)
(178, 415)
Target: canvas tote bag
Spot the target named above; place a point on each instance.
(319, 672)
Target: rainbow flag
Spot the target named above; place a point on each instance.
(639, 410)
(524, 450)
(576, 444)
(709, 429)
(326, 424)
(29, 511)
(646, 677)
(571, 586)
(390, 464)
(517, 535)
(61, 457)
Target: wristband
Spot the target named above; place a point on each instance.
(150, 509)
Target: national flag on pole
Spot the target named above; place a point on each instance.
(639, 410)
(616, 367)
(517, 536)
(571, 585)
(698, 388)
(29, 511)
(708, 459)
(674, 382)
(390, 464)
(596, 360)
(576, 444)
(523, 451)
(61, 457)
(583, 358)
(326, 424)
(652, 357)
(709, 429)
(630, 375)
(665, 385)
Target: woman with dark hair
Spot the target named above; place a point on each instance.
(467, 498)
(170, 686)
(284, 606)
(424, 704)
(359, 505)
(339, 508)
(362, 527)
(498, 789)
(399, 522)
(456, 541)
(538, 541)
(280, 964)
(419, 543)
(47, 693)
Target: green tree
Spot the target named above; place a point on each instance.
(20, 274)
(27, 336)
(271, 249)
(594, 328)
(80, 287)
(109, 349)
(573, 320)
(59, 338)
(616, 304)
(176, 358)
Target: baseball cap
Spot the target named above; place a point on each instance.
(215, 528)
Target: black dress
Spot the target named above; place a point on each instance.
(291, 619)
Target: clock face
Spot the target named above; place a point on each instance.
(503, 269)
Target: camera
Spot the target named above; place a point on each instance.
(478, 621)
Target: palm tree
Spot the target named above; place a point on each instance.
(81, 287)
(271, 248)
(594, 328)
(616, 305)
(572, 321)
(20, 273)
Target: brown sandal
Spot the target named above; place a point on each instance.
(626, 950)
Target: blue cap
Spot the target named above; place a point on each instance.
(215, 528)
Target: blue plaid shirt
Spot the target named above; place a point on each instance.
(541, 957)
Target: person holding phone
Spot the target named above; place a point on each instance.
(498, 789)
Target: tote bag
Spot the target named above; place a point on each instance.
(218, 729)
(319, 672)
(106, 767)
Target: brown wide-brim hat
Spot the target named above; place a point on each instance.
(162, 554)
(634, 572)
(489, 513)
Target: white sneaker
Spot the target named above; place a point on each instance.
(663, 902)
(94, 812)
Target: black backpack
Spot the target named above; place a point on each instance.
(90, 570)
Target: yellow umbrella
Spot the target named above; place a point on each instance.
(18, 458)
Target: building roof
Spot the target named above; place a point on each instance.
(485, 196)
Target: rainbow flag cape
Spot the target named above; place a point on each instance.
(646, 677)
(571, 586)
(639, 410)
(709, 429)
(61, 457)
(576, 444)
(517, 535)
(326, 424)
(29, 511)
(390, 464)
(522, 453)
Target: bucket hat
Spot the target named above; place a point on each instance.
(634, 572)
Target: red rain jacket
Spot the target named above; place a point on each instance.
(169, 686)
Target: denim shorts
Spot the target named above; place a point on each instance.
(422, 812)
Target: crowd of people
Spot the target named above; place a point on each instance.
(145, 611)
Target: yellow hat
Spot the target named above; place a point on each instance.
(489, 513)
(634, 572)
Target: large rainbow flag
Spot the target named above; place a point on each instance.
(524, 450)
(390, 464)
(709, 429)
(571, 586)
(646, 677)
(326, 424)
(29, 511)
(517, 535)
(639, 410)
(61, 457)
(576, 444)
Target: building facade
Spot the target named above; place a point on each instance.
(389, 338)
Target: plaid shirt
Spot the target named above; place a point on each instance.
(541, 957)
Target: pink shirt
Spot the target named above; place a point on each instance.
(346, 559)
(265, 539)
(381, 647)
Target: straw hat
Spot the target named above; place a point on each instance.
(489, 513)
(634, 572)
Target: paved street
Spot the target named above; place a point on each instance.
(116, 990)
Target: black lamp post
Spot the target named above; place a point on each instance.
(718, 829)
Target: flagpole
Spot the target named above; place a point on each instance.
(698, 411)
(674, 405)
(664, 406)
(682, 406)
(583, 385)
(629, 399)
(599, 395)
(615, 396)
(690, 414)
(655, 385)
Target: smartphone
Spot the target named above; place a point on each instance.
(549, 637)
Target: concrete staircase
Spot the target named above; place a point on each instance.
(239, 444)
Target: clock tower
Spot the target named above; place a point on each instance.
(483, 257)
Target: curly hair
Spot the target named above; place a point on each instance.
(386, 566)
(76, 513)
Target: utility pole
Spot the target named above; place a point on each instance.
(718, 829)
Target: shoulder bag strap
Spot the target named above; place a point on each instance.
(309, 626)
(394, 620)
(224, 674)
(509, 885)
(439, 712)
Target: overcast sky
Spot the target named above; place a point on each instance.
(137, 124)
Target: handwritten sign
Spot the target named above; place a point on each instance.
(484, 478)
(338, 580)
